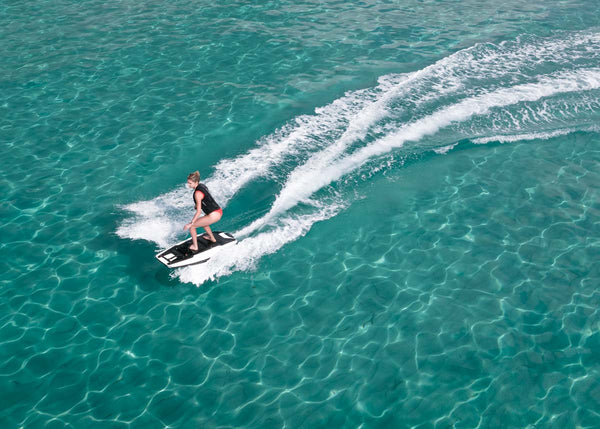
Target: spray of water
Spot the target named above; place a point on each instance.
(529, 88)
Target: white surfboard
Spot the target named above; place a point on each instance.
(180, 254)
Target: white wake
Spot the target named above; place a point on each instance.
(511, 91)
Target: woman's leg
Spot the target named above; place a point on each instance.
(211, 237)
(204, 222)
(194, 245)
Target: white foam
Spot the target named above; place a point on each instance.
(160, 219)
(349, 116)
(300, 187)
(340, 138)
(530, 136)
(445, 149)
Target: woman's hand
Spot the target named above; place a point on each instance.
(187, 226)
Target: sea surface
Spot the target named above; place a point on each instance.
(415, 187)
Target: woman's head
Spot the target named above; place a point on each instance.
(193, 179)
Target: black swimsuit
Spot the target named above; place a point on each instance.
(209, 204)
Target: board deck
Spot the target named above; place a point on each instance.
(180, 254)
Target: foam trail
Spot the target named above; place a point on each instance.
(301, 186)
(348, 120)
(532, 136)
(445, 149)
(444, 77)
(350, 115)
(159, 219)
(465, 95)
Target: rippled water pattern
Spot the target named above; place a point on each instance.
(415, 188)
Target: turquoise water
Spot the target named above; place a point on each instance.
(415, 188)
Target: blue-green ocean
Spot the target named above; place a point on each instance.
(414, 185)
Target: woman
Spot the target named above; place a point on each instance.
(203, 201)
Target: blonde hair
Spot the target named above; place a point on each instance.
(194, 177)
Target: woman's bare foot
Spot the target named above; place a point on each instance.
(193, 249)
